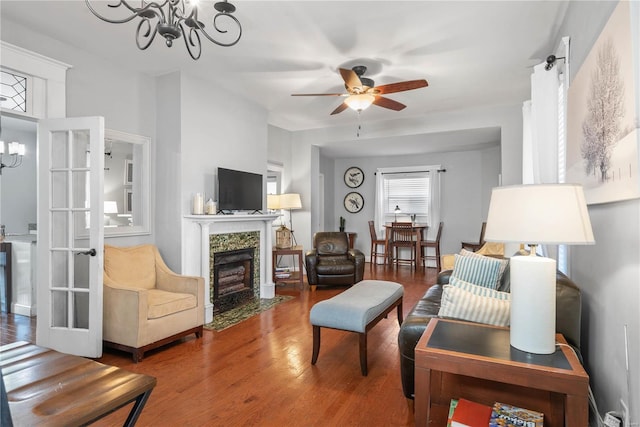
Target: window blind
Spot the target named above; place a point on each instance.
(408, 191)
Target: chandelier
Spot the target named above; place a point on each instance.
(16, 153)
(173, 19)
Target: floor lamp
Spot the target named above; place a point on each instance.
(536, 214)
(291, 201)
(285, 238)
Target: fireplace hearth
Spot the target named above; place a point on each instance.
(233, 273)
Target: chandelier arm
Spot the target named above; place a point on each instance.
(192, 46)
(136, 11)
(211, 39)
(148, 35)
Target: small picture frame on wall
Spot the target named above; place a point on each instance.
(128, 172)
(128, 200)
(353, 177)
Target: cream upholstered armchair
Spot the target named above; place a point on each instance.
(147, 305)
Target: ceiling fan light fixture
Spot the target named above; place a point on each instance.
(360, 101)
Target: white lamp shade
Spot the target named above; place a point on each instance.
(359, 102)
(273, 201)
(539, 214)
(110, 207)
(290, 201)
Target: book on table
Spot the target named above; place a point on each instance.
(470, 414)
(452, 408)
(503, 415)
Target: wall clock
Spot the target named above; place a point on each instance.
(354, 177)
(353, 202)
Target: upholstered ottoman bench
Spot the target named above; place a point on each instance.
(358, 309)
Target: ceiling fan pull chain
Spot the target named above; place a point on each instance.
(359, 125)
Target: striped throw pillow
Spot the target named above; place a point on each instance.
(458, 303)
(504, 263)
(482, 291)
(483, 271)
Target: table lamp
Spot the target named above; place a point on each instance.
(396, 211)
(110, 207)
(536, 214)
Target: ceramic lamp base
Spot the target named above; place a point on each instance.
(533, 304)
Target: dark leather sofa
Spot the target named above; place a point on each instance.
(331, 262)
(568, 318)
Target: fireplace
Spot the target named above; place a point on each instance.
(205, 235)
(233, 274)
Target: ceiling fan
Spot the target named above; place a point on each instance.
(362, 92)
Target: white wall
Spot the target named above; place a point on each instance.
(231, 133)
(18, 198)
(307, 145)
(608, 272)
(464, 186)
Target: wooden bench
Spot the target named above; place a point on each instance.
(358, 309)
(45, 387)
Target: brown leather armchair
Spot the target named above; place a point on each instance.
(331, 262)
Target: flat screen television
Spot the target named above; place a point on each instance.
(239, 191)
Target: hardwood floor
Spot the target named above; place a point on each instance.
(259, 372)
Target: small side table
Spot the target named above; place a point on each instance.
(352, 239)
(296, 277)
(476, 362)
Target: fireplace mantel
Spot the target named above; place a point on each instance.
(195, 247)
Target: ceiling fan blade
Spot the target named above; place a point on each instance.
(400, 86)
(351, 80)
(340, 108)
(381, 101)
(319, 94)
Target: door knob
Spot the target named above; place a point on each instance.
(91, 252)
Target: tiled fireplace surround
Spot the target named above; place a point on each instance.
(204, 235)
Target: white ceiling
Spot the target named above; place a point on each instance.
(472, 53)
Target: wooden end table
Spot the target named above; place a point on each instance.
(45, 387)
(456, 359)
(295, 277)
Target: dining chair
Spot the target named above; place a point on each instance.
(474, 246)
(425, 245)
(403, 235)
(375, 242)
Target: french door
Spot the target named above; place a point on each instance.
(70, 200)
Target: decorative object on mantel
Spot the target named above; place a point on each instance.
(173, 19)
(353, 202)
(353, 177)
(198, 204)
(536, 214)
(210, 207)
(236, 315)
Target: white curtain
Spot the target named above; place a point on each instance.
(540, 133)
(434, 205)
(540, 128)
(378, 215)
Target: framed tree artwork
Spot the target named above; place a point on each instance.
(602, 125)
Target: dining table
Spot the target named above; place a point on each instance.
(419, 230)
